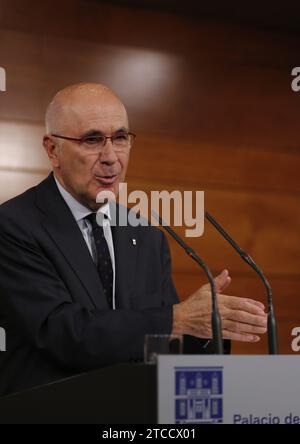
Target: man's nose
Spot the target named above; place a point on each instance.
(107, 154)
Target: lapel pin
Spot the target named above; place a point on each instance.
(133, 241)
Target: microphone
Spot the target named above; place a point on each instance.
(215, 316)
(272, 324)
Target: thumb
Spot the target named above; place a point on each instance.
(222, 281)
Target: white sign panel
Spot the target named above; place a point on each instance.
(228, 389)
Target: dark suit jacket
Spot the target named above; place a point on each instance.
(52, 303)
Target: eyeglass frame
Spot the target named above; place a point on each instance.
(81, 140)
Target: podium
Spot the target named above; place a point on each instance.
(181, 389)
(121, 394)
(229, 389)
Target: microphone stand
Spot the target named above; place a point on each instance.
(215, 316)
(272, 324)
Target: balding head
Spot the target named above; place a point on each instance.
(75, 113)
(72, 103)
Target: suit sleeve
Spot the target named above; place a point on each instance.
(40, 309)
(170, 296)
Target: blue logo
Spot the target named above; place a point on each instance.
(198, 395)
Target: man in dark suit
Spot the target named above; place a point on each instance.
(74, 297)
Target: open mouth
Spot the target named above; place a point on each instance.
(106, 180)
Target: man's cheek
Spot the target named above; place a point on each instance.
(82, 164)
(82, 169)
(124, 165)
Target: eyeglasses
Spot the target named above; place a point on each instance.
(121, 141)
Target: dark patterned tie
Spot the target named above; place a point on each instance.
(103, 259)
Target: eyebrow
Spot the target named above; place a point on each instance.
(96, 132)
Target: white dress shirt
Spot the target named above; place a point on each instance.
(80, 212)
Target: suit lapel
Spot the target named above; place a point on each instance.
(60, 224)
(126, 247)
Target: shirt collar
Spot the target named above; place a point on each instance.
(78, 210)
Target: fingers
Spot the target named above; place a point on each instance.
(242, 304)
(240, 327)
(222, 281)
(240, 336)
(242, 319)
(246, 318)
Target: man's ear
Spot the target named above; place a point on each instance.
(51, 149)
